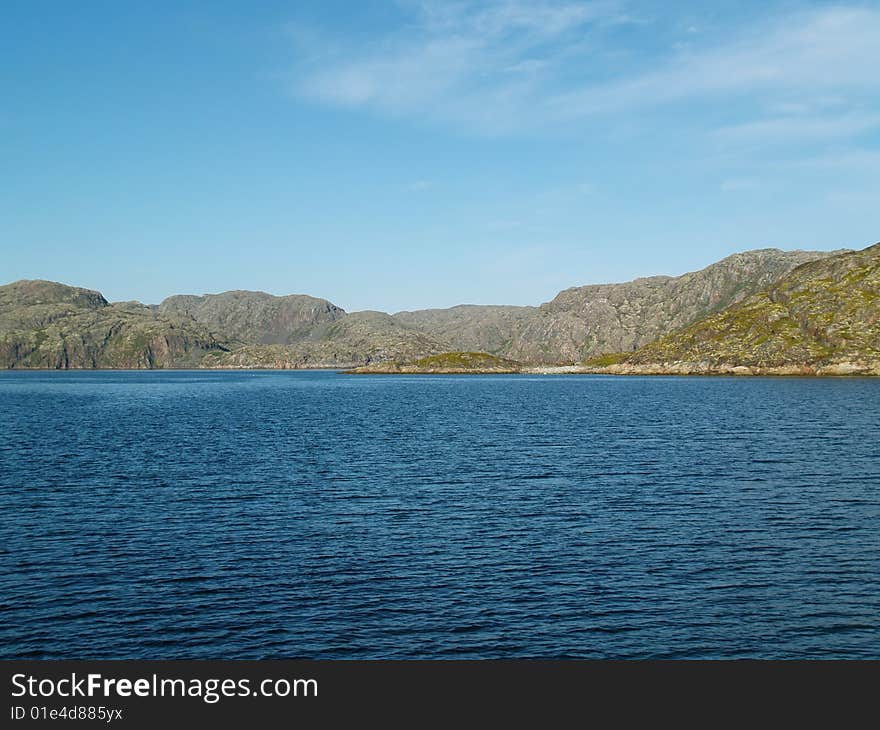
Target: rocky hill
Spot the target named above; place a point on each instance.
(471, 327)
(255, 317)
(589, 320)
(823, 317)
(44, 324)
(358, 338)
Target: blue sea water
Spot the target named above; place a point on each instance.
(318, 515)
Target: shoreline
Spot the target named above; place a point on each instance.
(842, 369)
(838, 369)
(681, 369)
(168, 370)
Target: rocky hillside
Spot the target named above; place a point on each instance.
(255, 317)
(589, 320)
(48, 325)
(822, 317)
(470, 327)
(44, 324)
(359, 338)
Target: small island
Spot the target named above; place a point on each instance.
(466, 363)
(447, 363)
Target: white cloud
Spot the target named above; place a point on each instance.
(478, 64)
(801, 54)
(502, 18)
(511, 65)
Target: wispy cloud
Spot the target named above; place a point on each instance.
(480, 64)
(798, 128)
(511, 65)
(839, 160)
(803, 53)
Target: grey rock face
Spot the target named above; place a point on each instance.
(49, 325)
(256, 318)
(46, 324)
(589, 320)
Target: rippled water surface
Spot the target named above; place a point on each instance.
(311, 514)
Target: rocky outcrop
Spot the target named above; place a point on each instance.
(49, 325)
(589, 320)
(254, 317)
(359, 338)
(470, 327)
(822, 318)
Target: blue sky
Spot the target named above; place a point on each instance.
(400, 155)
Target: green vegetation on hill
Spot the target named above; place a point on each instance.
(824, 314)
(609, 358)
(447, 362)
(465, 361)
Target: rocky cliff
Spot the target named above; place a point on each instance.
(823, 317)
(44, 324)
(589, 320)
(358, 338)
(255, 317)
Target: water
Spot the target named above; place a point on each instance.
(317, 515)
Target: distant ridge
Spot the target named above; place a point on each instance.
(588, 320)
(52, 325)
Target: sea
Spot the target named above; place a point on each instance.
(314, 514)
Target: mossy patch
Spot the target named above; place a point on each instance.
(464, 360)
(446, 363)
(606, 359)
(817, 314)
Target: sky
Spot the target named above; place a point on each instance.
(402, 155)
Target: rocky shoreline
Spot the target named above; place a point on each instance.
(674, 368)
(702, 368)
(679, 368)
